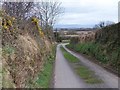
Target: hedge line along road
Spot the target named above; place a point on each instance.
(65, 77)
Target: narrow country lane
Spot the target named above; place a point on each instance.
(64, 76)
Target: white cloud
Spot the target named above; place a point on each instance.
(89, 11)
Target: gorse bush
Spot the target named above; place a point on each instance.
(36, 21)
(7, 21)
(6, 24)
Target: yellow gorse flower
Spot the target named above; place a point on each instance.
(5, 27)
(36, 21)
(41, 33)
(13, 18)
(9, 22)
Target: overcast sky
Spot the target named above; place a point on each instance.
(88, 12)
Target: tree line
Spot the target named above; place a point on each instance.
(46, 11)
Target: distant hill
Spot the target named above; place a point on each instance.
(73, 26)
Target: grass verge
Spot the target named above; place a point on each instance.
(45, 75)
(65, 41)
(69, 56)
(86, 74)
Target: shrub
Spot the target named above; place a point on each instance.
(93, 49)
(74, 40)
(35, 20)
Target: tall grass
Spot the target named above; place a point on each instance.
(98, 51)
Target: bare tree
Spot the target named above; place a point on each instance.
(49, 11)
(17, 9)
(104, 24)
(100, 25)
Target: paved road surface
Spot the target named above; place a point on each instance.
(64, 76)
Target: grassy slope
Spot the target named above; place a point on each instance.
(106, 48)
(86, 74)
(43, 80)
(99, 52)
(92, 49)
(44, 77)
